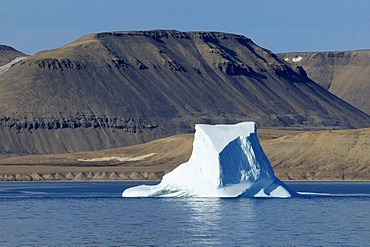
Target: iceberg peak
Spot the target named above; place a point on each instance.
(227, 161)
(220, 135)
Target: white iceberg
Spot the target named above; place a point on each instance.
(227, 161)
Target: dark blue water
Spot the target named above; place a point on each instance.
(94, 214)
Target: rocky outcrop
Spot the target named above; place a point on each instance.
(55, 64)
(22, 123)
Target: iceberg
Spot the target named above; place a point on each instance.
(227, 162)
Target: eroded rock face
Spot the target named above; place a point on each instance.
(21, 123)
(55, 64)
(227, 161)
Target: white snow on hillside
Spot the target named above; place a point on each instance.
(297, 59)
(7, 66)
(227, 161)
(122, 159)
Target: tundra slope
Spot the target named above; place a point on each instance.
(7, 54)
(345, 74)
(111, 89)
(311, 155)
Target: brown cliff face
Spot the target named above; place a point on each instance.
(118, 88)
(345, 74)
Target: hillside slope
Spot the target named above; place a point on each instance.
(118, 88)
(322, 155)
(312, 155)
(345, 74)
(7, 54)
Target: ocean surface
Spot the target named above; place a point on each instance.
(94, 214)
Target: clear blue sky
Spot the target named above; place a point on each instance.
(279, 25)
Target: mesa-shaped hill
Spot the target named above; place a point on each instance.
(118, 88)
(7, 54)
(345, 74)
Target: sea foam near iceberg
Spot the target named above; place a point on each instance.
(227, 161)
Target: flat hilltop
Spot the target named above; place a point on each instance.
(338, 155)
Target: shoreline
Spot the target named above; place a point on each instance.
(155, 181)
(83, 176)
(127, 176)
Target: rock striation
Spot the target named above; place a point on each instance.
(19, 123)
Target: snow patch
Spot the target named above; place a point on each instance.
(122, 159)
(286, 59)
(227, 161)
(7, 66)
(297, 59)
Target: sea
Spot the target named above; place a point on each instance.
(95, 214)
